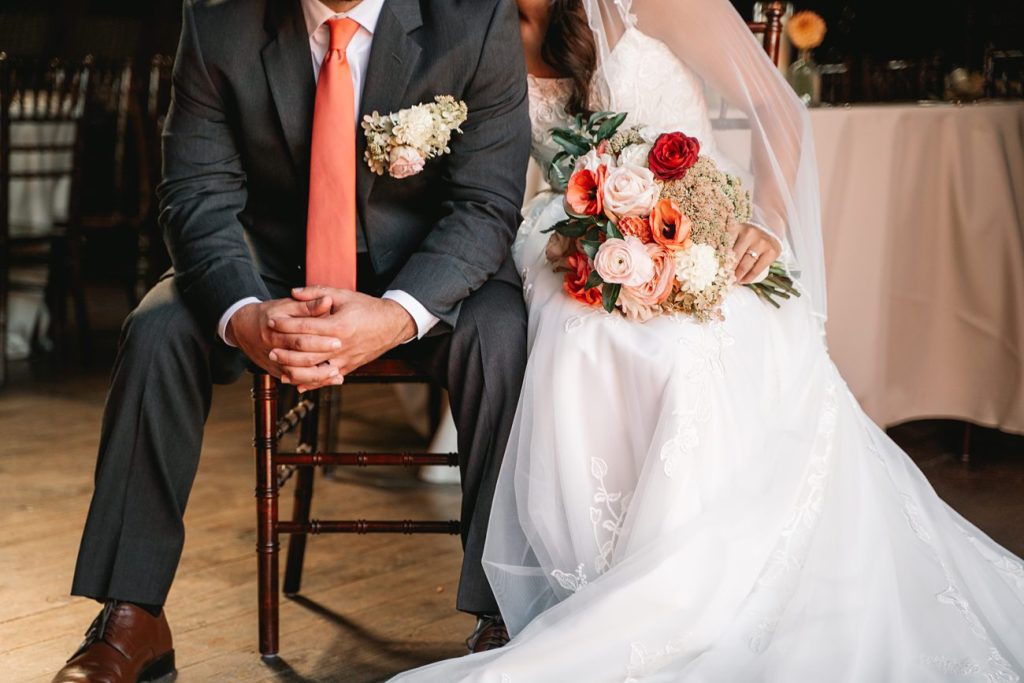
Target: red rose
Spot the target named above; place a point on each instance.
(576, 280)
(672, 155)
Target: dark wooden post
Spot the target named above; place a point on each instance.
(264, 395)
(773, 13)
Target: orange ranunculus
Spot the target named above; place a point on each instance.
(576, 280)
(670, 226)
(585, 193)
(636, 226)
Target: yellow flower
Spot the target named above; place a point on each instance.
(806, 30)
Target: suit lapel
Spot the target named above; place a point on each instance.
(393, 58)
(289, 69)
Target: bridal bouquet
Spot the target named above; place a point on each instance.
(649, 222)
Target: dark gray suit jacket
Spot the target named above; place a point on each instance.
(237, 147)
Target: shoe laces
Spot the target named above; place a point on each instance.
(98, 629)
(495, 638)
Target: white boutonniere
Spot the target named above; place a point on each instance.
(401, 143)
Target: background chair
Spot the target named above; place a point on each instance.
(42, 105)
(315, 416)
(771, 29)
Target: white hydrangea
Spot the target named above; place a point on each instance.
(415, 126)
(696, 268)
(635, 154)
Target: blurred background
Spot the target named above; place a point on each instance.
(918, 115)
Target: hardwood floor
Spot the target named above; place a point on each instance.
(371, 606)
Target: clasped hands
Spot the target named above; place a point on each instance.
(320, 334)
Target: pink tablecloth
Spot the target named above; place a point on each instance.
(923, 212)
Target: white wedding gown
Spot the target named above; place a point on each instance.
(687, 502)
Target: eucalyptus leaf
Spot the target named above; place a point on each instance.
(572, 227)
(595, 280)
(590, 248)
(612, 230)
(609, 295)
(571, 142)
(609, 127)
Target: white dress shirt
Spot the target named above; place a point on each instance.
(366, 14)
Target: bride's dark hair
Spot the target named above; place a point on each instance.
(569, 49)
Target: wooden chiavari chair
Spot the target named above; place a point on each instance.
(313, 414)
(771, 29)
(37, 96)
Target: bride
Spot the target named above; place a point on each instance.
(707, 502)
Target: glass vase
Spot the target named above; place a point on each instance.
(805, 77)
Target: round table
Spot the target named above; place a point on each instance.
(923, 221)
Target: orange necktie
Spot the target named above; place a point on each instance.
(331, 225)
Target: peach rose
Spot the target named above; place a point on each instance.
(576, 280)
(629, 191)
(670, 226)
(405, 162)
(636, 226)
(657, 289)
(624, 262)
(585, 194)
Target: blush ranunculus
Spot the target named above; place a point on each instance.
(659, 286)
(672, 155)
(629, 191)
(585, 194)
(670, 227)
(636, 226)
(404, 162)
(576, 280)
(624, 262)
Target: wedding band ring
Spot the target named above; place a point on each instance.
(753, 254)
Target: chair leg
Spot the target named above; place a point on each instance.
(330, 406)
(965, 450)
(308, 433)
(56, 297)
(77, 283)
(264, 394)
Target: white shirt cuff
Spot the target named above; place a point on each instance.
(222, 326)
(424, 319)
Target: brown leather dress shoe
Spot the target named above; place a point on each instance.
(490, 634)
(125, 644)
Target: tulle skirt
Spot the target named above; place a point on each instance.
(687, 502)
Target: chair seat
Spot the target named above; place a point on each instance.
(386, 371)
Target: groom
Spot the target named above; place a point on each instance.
(265, 190)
